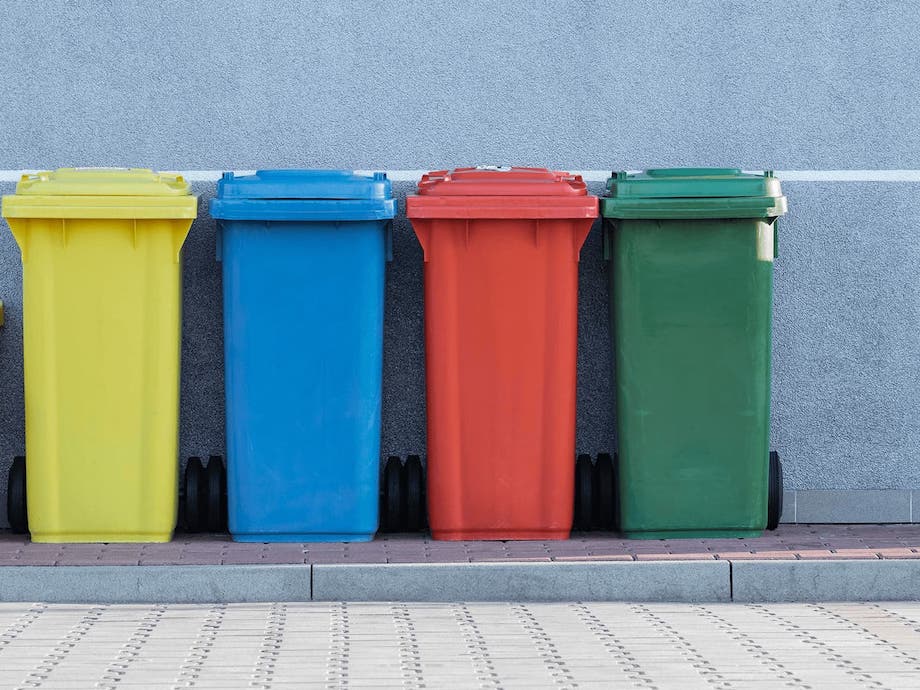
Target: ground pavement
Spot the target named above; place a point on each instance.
(457, 645)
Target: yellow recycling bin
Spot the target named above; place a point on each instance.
(101, 275)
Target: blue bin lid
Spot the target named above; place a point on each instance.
(304, 195)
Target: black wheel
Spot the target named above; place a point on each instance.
(392, 495)
(195, 495)
(604, 492)
(16, 504)
(216, 505)
(775, 495)
(584, 493)
(414, 492)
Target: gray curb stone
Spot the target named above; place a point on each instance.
(168, 584)
(684, 581)
(651, 581)
(838, 580)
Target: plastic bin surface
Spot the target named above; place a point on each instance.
(501, 250)
(102, 293)
(304, 255)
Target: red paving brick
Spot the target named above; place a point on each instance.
(80, 560)
(444, 558)
(756, 556)
(790, 542)
(896, 552)
(587, 559)
(120, 560)
(830, 556)
(675, 557)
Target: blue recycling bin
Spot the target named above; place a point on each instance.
(304, 254)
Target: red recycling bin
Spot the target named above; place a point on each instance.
(501, 252)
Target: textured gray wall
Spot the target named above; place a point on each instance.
(579, 85)
(846, 342)
(416, 84)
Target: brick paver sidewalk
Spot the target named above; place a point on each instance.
(789, 542)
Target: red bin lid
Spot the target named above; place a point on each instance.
(491, 180)
(501, 192)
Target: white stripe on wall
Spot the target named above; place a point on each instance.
(588, 175)
(849, 175)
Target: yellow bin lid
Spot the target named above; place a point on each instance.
(101, 193)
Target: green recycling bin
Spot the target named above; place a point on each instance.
(691, 282)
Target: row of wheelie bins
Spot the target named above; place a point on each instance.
(303, 255)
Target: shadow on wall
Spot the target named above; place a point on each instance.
(403, 427)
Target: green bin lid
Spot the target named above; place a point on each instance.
(669, 193)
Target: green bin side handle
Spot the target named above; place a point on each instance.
(607, 227)
(775, 221)
(1, 312)
(775, 237)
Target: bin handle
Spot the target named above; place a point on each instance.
(1, 312)
(607, 229)
(775, 237)
(421, 228)
(388, 241)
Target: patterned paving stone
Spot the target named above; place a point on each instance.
(482, 645)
